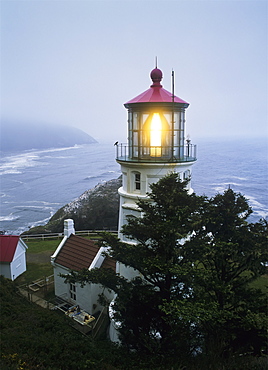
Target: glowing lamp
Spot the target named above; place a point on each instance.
(155, 131)
(154, 135)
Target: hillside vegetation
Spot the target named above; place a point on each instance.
(95, 209)
(35, 338)
(17, 136)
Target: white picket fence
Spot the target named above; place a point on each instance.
(91, 233)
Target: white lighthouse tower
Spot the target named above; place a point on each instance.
(156, 146)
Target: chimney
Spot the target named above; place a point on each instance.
(69, 227)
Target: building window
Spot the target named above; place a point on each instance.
(186, 175)
(73, 291)
(137, 181)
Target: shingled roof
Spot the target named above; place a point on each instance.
(78, 253)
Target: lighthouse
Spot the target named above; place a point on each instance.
(156, 146)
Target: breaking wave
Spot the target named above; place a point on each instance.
(9, 217)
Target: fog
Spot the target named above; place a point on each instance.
(77, 62)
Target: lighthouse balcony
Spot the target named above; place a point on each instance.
(156, 154)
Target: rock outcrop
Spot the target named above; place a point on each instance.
(95, 209)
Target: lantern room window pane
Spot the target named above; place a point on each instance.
(135, 144)
(176, 120)
(144, 117)
(135, 121)
(135, 138)
(168, 117)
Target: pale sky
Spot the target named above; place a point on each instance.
(77, 62)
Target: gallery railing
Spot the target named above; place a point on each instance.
(175, 154)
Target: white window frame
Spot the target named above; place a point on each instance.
(73, 291)
(137, 181)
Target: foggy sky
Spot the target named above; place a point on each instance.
(78, 62)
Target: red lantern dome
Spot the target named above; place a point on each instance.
(156, 93)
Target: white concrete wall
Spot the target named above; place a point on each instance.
(86, 297)
(149, 173)
(61, 289)
(18, 265)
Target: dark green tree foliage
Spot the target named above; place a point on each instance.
(228, 254)
(167, 216)
(194, 258)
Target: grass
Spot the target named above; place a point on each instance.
(39, 251)
(34, 272)
(39, 245)
(261, 283)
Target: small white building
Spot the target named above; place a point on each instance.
(77, 253)
(12, 256)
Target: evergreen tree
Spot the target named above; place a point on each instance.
(194, 258)
(168, 216)
(229, 253)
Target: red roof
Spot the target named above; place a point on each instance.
(156, 93)
(8, 245)
(78, 253)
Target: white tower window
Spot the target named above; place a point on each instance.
(137, 181)
(186, 174)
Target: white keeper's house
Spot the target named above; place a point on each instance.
(75, 253)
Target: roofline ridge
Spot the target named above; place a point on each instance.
(54, 255)
(98, 259)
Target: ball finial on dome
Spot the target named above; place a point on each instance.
(156, 76)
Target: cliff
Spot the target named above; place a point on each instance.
(95, 209)
(17, 136)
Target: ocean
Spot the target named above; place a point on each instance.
(36, 183)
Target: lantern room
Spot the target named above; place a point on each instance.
(156, 127)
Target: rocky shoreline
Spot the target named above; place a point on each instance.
(95, 209)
